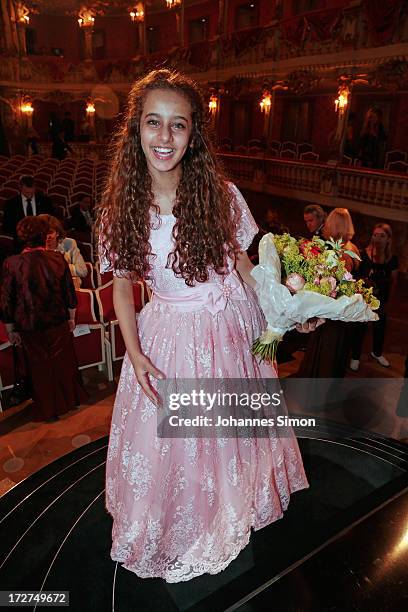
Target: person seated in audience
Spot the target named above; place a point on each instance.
(28, 202)
(328, 349)
(57, 241)
(314, 217)
(37, 305)
(82, 219)
(379, 268)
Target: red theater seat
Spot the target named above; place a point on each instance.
(86, 250)
(104, 295)
(92, 348)
(88, 282)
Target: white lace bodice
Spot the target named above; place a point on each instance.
(162, 243)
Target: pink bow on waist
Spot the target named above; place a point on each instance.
(212, 296)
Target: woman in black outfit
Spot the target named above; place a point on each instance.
(379, 268)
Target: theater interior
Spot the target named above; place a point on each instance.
(292, 89)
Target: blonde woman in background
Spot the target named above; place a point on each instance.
(339, 226)
(379, 268)
(57, 241)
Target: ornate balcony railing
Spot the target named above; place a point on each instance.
(373, 192)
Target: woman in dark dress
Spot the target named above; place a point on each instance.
(328, 348)
(379, 268)
(38, 301)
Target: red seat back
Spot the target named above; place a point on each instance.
(104, 296)
(85, 312)
(86, 250)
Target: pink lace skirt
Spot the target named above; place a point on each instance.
(185, 507)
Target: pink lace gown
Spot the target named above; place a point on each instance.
(185, 507)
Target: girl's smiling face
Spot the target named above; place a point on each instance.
(165, 130)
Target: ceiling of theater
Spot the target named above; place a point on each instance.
(71, 7)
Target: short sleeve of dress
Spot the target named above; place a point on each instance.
(247, 228)
(104, 264)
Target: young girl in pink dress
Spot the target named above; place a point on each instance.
(183, 507)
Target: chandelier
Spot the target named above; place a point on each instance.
(86, 18)
(137, 14)
(173, 3)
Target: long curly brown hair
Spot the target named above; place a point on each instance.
(206, 218)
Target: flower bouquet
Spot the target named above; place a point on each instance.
(301, 279)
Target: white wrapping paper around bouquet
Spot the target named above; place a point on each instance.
(283, 310)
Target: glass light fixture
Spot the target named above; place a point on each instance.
(23, 14)
(341, 101)
(213, 104)
(137, 14)
(27, 106)
(86, 18)
(90, 107)
(266, 102)
(173, 3)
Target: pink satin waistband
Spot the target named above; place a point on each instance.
(214, 297)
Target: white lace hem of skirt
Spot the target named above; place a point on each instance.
(188, 572)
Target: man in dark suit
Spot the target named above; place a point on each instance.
(82, 219)
(28, 202)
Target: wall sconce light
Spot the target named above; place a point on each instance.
(27, 106)
(90, 108)
(22, 14)
(266, 102)
(86, 18)
(213, 104)
(341, 101)
(137, 14)
(172, 3)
